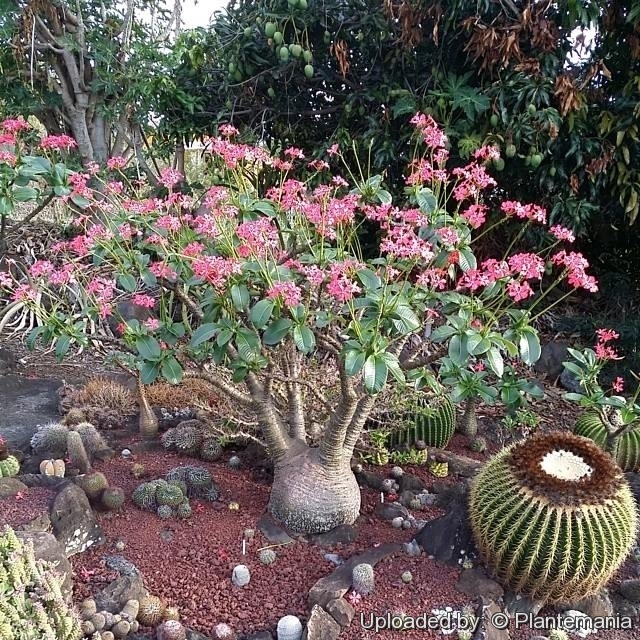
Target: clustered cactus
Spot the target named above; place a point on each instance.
(430, 420)
(9, 465)
(105, 625)
(362, 579)
(554, 516)
(198, 480)
(100, 494)
(190, 438)
(32, 605)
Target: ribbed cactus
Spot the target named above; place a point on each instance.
(92, 439)
(144, 496)
(32, 605)
(554, 516)
(76, 452)
(210, 450)
(198, 479)
(627, 447)
(171, 630)
(362, 579)
(235, 462)
(112, 498)
(170, 494)
(50, 440)
(150, 611)
(240, 575)
(165, 512)
(289, 628)
(9, 467)
(55, 468)
(183, 510)
(267, 556)
(188, 437)
(92, 483)
(431, 420)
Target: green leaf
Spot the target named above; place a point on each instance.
(264, 206)
(574, 396)
(24, 194)
(574, 368)
(202, 334)
(148, 348)
(442, 333)
(276, 331)
(61, 190)
(354, 361)
(248, 344)
(80, 202)
(407, 317)
(33, 336)
(369, 279)
(127, 282)
(374, 373)
(577, 355)
(6, 206)
(261, 312)
(426, 200)
(529, 346)
(171, 370)
(240, 296)
(304, 338)
(467, 259)
(223, 337)
(62, 347)
(394, 367)
(239, 374)
(458, 350)
(149, 372)
(494, 358)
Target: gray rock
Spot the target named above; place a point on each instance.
(341, 611)
(272, 531)
(486, 630)
(630, 589)
(390, 510)
(8, 361)
(517, 603)
(46, 547)
(39, 523)
(369, 479)
(412, 548)
(9, 487)
(569, 381)
(115, 595)
(334, 558)
(259, 635)
(337, 583)
(552, 355)
(595, 606)
(27, 403)
(343, 534)
(120, 564)
(475, 583)
(321, 626)
(409, 482)
(192, 634)
(73, 521)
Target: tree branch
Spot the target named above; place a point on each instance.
(365, 405)
(222, 385)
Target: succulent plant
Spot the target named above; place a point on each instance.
(438, 469)
(415, 504)
(51, 467)
(211, 449)
(289, 628)
(183, 510)
(137, 470)
(362, 579)
(406, 577)
(74, 416)
(248, 534)
(144, 496)
(150, 611)
(95, 445)
(431, 420)
(198, 478)
(33, 605)
(76, 452)
(165, 511)
(554, 516)
(240, 575)
(168, 439)
(92, 483)
(112, 498)
(267, 556)
(478, 444)
(223, 631)
(558, 634)
(171, 630)
(235, 462)
(50, 440)
(187, 438)
(181, 484)
(627, 447)
(211, 494)
(396, 473)
(170, 494)
(171, 613)
(9, 467)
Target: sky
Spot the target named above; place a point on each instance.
(196, 13)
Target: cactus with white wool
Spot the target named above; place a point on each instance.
(362, 579)
(289, 628)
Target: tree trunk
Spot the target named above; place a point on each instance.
(307, 497)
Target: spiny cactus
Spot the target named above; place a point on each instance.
(627, 447)
(289, 628)
(431, 420)
(76, 452)
(240, 575)
(171, 613)
(210, 450)
(211, 494)
(9, 467)
(267, 556)
(170, 495)
(144, 496)
(171, 630)
(107, 393)
(554, 516)
(92, 483)
(362, 579)
(183, 510)
(50, 440)
(165, 511)
(223, 631)
(181, 484)
(94, 444)
(150, 611)
(406, 577)
(33, 605)
(235, 462)
(55, 468)
(478, 444)
(188, 438)
(112, 498)
(198, 479)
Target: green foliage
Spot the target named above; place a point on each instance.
(32, 606)
(553, 516)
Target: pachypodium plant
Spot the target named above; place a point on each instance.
(262, 279)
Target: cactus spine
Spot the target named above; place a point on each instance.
(362, 579)
(78, 457)
(554, 516)
(150, 611)
(431, 420)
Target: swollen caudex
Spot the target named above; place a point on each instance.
(565, 465)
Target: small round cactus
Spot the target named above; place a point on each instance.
(289, 628)
(112, 498)
(397, 523)
(92, 483)
(248, 534)
(267, 556)
(223, 631)
(235, 462)
(558, 634)
(165, 511)
(171, 613)
(144, 496)
(389, 485)
(362, 579)
(150, 611)
(183, 510)
(211, 450)
(406, 577)
(396, 473)
(9, 467)
(233, 506)
(170, 495)
(171, 630)
(478, 444)
(240, 575)
(415, 504)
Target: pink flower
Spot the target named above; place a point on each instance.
(169, 223)
(618, 385)
(5, 280)
(433, 279)
(215, 269)
(24, 293)
(605, 352)
(487, 152)
(562, 233)
(15, 125)
(193, 249)
(58, 143)
(606, 335)
(287, 291)
(318, 165)
(151, 324)
(475, 215)
(170, 177)
(117, 162)
(8, 158)
(333, 150)
(143, 300)
(41, 268)
(524, 211)
(294, 152)
(161, 270)
(431, 133)
(228, 130)
(7, 139)
(448, 236)
(64, 275)
(519, 290)
(527, 265)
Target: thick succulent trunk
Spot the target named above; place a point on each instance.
(310, 497)
(469, 422)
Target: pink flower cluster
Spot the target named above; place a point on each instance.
(215, 270)
(14, 125)
(260, 237)
(58, 143)
(524, 211)
(575, 265)
(603, 350)
(342, 285)
(286, 291)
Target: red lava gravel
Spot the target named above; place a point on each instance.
(189, 562)
(25, 506)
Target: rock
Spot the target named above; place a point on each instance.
(487, 630)
(321, 626)
(624, 608)
(409, 482)
(341, 611)
(475, 583)
(337, 583)
(412, 548)
(272, 531)
(73, 521)
(390, 510)
(369, 479)
(39, 523)
(192, 635)
(46, 547)
(595, 606)
(517, 603)
(28, 403)
(115, 595)
(570, 382)
(260, 635)
(9, 487)
(630, 589)
(406, 497)
(334, 558)
(448, 538)
(343, 534)
(8, 361)
(552, 355)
